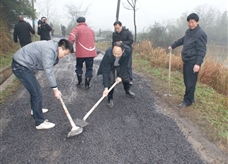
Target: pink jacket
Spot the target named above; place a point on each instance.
(83, 37)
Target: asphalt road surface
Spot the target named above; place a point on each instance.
(134, 131)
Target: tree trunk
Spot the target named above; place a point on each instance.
(134, 10)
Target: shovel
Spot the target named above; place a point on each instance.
(75, 129)
(170, 60)
(82, 123)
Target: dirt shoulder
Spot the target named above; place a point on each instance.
(208, 151)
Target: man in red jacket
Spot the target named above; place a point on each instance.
(83, 37)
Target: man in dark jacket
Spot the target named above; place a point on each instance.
(40, 55)
(44, 29)
(116, 58)
(22, 31)
(63, 29)
(124, 35)
(193, 53)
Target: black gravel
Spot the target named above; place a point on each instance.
(133, 132)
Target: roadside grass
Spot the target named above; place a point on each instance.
(9, 90)
(6, 59)
(103, 45)
(210, 112)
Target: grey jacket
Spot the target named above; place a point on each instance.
(40, 55)
(194, 45)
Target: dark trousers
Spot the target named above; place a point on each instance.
(30, 82)
(190, 79)
(130, 69)
(112, 78)
(89, 66)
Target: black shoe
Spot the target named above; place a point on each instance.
(79, 84)
(79, 76)
(110, 103)
(130, 94)
(87, 83)
(182, 105)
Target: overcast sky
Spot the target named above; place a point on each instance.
(102, 13)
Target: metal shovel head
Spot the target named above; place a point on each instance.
(81, 123)
(74, 131)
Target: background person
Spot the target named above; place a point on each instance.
(123, 34)
(83, 36)
(40, 55)
(115, 61)
(44, 29)
(193, 53)
(63, 29)
(22, 31)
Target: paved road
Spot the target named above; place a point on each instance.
(133, 132)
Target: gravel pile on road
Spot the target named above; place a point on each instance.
(132, 132)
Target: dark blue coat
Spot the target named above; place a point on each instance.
(22, 31)
(194, 45)
(107, 64)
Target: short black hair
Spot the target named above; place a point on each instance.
(193, 16)
(118, 44)
(81, 20)
(65, 44)
(117, 22)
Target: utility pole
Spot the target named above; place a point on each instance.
(117, 10)
(33, 19)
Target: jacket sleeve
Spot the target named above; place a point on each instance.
(201, 48)
(177, 43)
(73, 35)
(106, 68)
(39, 30)
(31, 29)
(15, 35)
(48, 65)
(48, 27)
(129, 40)
(124, 63)
(114, 38)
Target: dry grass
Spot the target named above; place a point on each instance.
(212, 73)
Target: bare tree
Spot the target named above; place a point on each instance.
(132, 6)
(47, 8)
(207, 15)
(75, 11)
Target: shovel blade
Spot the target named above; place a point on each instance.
(74, 132)
(81, 123)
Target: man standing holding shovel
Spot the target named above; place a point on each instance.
(193, 52)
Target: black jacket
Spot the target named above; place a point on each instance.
(194, 45)
(125, 36)
(44, 32)
(107, 64)
(22, 31)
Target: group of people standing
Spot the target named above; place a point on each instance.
(116, 65)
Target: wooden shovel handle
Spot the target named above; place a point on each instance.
(98, 102)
